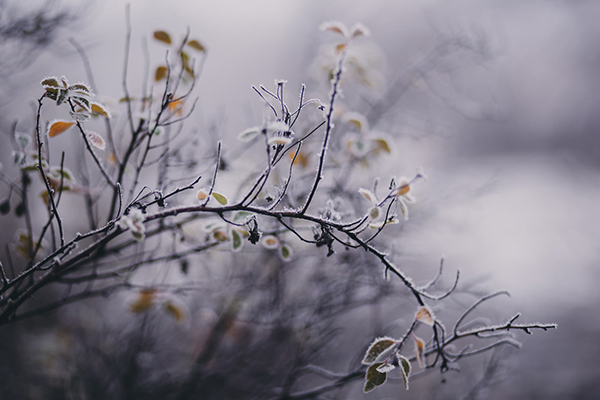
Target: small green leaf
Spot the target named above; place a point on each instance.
(285, 252)
(220, 198)
(374, 378)
(236, 240)
(405, 368)
(242, 216)
(380, 348)
(196, 45)
(162, 36)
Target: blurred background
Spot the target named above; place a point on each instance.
(506, 130)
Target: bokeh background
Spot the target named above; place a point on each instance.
(507, 134)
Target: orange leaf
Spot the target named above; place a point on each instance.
(162, 36)
(58, 127)
(144, 301)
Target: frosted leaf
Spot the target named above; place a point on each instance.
(57, 127)
(382, 145)
(379, 349)
(249, 134)
(285, 252)
(425, 316)
(22, 139)
(279, 140)
(278, 126)
(270, 242)
(359, 30)
(96, 140)
(80, 88)
(374, 378)
(79, 116)
(367, 194)
(236, 240)
(337, 27)
(18, 157)
(419, 350)
(135, 222)
(202, 194)
(405, 368)
(374, 212)
(50, 82)
(100, 109)
(242, 216)
(82, 102)
(162, 36)
(358, 120)
(383, 368)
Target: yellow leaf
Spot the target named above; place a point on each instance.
(162, 36)
(382, 144)
(340, 47)
(58, 127)
(175, 310)
(144, 301)
(100, 109)
(194, 44)
(419, 350)
(161, 73)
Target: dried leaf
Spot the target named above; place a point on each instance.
(161, 73)
(380, 348)
(162, 36)
(425, 316)
(419, 350)
(50, 82)
(96, 140)
(220, 198)
(175, 310)
(58, 127)
(196, 45)
(374, 378)
(383, 145)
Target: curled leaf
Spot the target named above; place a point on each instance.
(100, 109)
(175, 309)
(236, 240)
(380, 348)
(58, 127)
(405, 368)
(82, 102)
(249, 134)
(80, 88)
(419, 350)
(162, 36)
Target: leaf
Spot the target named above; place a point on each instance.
(374, 378)
(61, 96)
(405, 368)
(100, 109)
(202, 194)
(359, 30)
(385, 367)
(175, 310)
(425, 316)
(242, 216)
(270, 242)
(278, 126)
(382, 144)
(82, 102)
(279, 140)
(162, 36)
(196, 45)
(380, 348)
(340, 47)
(79, 116)
(50, 82)
(58, 127)
(249, 134)
(64, 172)
(144, 302)
(236, 240)
(337, 27)
(80, 88)
(161, 73)
(96, 140)
(220, 198)
(419, 350)
(367, 194)
(285, 252)
(358, 120)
